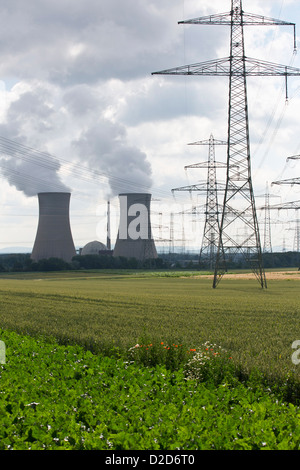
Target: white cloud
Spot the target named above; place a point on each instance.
(79, 86)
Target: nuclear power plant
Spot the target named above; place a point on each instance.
(54, 237)
(134, 238)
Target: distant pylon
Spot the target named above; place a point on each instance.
(292, 205)
(267, 246)
(171, 246)
(297, 234)
(296, 229)
(211, 231)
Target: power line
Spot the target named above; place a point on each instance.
(66, 167)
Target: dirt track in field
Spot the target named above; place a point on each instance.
(269, 275)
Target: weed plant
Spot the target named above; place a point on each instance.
(172, 354)
(206, 363)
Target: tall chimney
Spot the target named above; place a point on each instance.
(54, 238)
(108, 242)
(134, 238)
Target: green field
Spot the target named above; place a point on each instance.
(107, 310)
(70, 381)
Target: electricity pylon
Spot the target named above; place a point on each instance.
(211, 232)
(239, 204)
(267, 246)
(296, 230)
(293, 205)
(297, 234)
(267, 232)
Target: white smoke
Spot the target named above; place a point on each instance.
(42, 117)
(32, 178)
(104, 147)
(28, 120)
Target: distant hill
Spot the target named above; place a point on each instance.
(15, 249)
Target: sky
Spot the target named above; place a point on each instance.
(80, 111)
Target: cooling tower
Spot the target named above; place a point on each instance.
(134, 238)
(54, 238)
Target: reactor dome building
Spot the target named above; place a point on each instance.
(94, 248)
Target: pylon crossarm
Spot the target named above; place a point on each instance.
(210, 67)
(285, 206)
(206, 165)
(264, 68)
(249, 19)
(200, 187)
(291, 181)
(210, 142)
(293, 157)
(217, 19)
(221, 67)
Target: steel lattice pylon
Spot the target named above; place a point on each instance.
(211, 233)
(293, 205)
(239, 212)
(267, 247)
(267, 232)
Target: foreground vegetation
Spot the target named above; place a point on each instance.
(143, 360)
(63, 397)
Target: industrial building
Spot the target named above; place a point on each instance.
(54, 237)
(95, 248)
(135, 238)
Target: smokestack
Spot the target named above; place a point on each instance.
(134, 238)
(108, 243)
(54, 238)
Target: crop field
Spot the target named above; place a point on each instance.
(70, 342)
(107, 311)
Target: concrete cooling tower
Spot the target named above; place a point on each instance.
(54, 238)
(134, 238)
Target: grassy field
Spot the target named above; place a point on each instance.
(106, 311)
(239, 392)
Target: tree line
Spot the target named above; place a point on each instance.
(23, 263)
